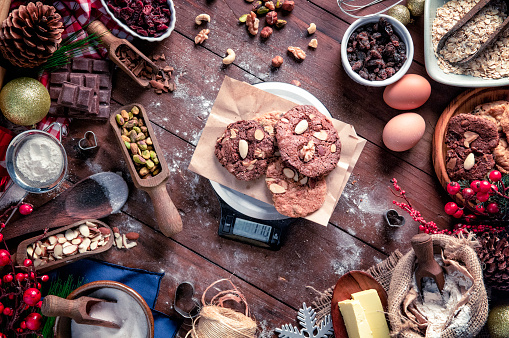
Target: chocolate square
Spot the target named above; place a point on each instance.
(94, 107)
(104, 81)
(92, 81)
(68, 94)
(100, 66)
(54, 92)
(57, 110)
(84, 98)
(105, 96)
(77, 79)
(104, 111)
(59, 77)
(82, 65)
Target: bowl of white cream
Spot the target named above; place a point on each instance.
(36, 161)
(129, 310)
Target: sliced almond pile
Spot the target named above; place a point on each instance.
(121, 240)
(86, 237)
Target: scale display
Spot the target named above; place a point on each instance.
(256, 231)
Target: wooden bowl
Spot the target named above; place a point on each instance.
(21, 252)
(62, 327)
(463, 104)
(352, 282)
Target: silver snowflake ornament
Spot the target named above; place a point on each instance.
(307, 319)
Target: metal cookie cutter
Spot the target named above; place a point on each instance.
(88, 142)
(394, 219)
(184, 303)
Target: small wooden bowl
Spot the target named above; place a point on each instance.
(62, 327)
(463, 104)
(21, 253)
(352, 282)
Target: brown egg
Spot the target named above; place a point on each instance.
(403, 131)
(411, 92)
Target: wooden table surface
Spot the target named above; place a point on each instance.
(313, 257)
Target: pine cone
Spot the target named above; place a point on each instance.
(31, 34)
(494, 255)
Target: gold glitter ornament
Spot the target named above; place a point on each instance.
(24, 101)
(400, 13)
(498, 322)
(416, 7)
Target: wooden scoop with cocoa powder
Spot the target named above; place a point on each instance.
(427, 266)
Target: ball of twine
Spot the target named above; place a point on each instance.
(219, 322)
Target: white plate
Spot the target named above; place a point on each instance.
(245, 204)
(434, 71)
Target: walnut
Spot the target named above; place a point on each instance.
(288, 6)
(252, 23)
(308, 151)
(270, 5)
(298, 53)
(295, 83)
(202, 36)
(266, 32)
(271, 18)
(277, 61)
(313, 43)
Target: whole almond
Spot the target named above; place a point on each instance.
(104, 230)
(301, 127)
(288, 172)
(133, 236)
(277, 189)
(259, 135)
(469, 162)
(243, 148)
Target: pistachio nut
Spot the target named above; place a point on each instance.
(150, 147)
(133, 135)
(153, 157)
(154, 168)
(125, 115)
(130, 115)
(120, 119)
(280, 23)
(142, 145)
(137, 129)
(140, 136)
(256, 5)
(125, 138)
(150, 164)
(279, 3)
(243, 18)
(140, 122)
(149, 141)
(262, 10)
(157, 171)
(135, 110)
(140, 160)
(143, 129)
(145, 154)
(134, 148)
(125, 132)
(127, 145)
(130, 124)
(144, 171)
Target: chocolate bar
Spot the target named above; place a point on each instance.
(81, 89)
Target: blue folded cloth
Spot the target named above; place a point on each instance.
(144, 282)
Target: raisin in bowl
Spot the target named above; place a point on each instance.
(149, 20)
(376, 50)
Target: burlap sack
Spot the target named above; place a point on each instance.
(457, 249)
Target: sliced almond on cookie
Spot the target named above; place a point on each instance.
(243, 148)
(277, 189)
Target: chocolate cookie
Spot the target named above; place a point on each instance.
(457, 167)
(294, 194)
(244, 149)
(471, 131)
(308, 141)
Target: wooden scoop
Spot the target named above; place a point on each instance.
(478, 7)
(427, 266)
(167, 215)
(112, 43)
(77, 309)
(96, 196)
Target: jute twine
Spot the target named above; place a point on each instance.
(217, 321)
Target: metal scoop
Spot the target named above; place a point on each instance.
(478, 7)
(77, 309)
(112, 43)
(427, 266)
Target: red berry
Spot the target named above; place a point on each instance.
(39, 286)
(482, 197)
(450, 208)
(26, 275)
(1, 237)
(458, 213)
(26, 209)
(453, 188)
(31, 296)
(2, 335)
(20, 276)
(19, 330)
(27, 262)
(492, 208)
(23, 325)
(1, 308)
(475, 185)
(33, 321)
(494, 188)
(7, 311)
(32, 275)
(495, 176)
(484, 186)
(39, 304)
(468, 193)
(8, 278)
(479, 208)
(5, 257)
(45, 278)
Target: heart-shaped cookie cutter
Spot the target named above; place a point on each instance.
(184, 303)
(394, 219)
(90, 145)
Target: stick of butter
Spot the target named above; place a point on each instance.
(355, 320)
(374, 312)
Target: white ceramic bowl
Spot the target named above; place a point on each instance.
(171, 24)
(402, 33)
(434, 71)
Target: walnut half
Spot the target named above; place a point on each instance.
(252, 23)
(298, 53)
(202, 36)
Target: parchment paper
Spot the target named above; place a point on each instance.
(238, 100)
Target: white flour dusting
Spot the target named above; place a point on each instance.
(350, 254)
